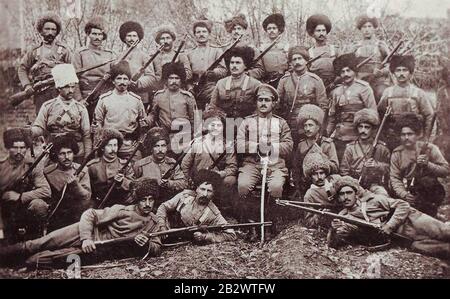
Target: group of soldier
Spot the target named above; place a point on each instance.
(346, 131)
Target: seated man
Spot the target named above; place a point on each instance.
(98, 225)
(429, 236)
(196, 208)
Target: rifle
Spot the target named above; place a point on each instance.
(180, 47)
(19, 97)
(147, 63)
(221, 156)
(266, 50)
(293, 203)
(310, 61)
(388, 58)
(95, 93)
(323, 129)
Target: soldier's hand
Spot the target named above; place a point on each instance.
(386, 230)
(410, 198)
(422, 160)
(133, 84)
(141, 239)
(377, 72)
(199, 237)
(88, 246)
(119, 177)
(29, 89)
(370, 163)
(71, 179)
(11, 196)
(163, 183)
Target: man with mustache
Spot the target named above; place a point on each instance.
(131, 32)
(31, 204)
(318, 27)
(356, 162)
(413, 173)
(404, 97)
(235, 94)
(297, 88)
(122, 110)
(196, 207)
(37, 63)
(77, 196)
(64, 114)
(118, 221)
(348, 98)
(156, 163)
(105, 169)
(201, 57)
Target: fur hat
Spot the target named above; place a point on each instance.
(310, 111)
(128, 27)
(277, 19)
(314, 20)
(202, 23)
(16, 134)
(110, 133)
(49, 17)
(315, 161)
(363, 19)
(345, 60)
(64, 74)
(63, 141)
(236, 20)
(298, 50)
(246, 53)
(154, 135)
(407, 61)
(366, 115)
(211, 177)
(145, 187)
(97, 22)
(410, 120)
(120, 68)
(343, 181)
(266, 90)
(165, 29)
(176, 68)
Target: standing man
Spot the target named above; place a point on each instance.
(348, 98)
(404, 97)
(297, 88)
(63, 114)
(318, 27)
(413, 172)
(275, 62)
(77, 196)
(37, 63)
(235, 94)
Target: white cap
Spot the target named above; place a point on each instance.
(64, 74)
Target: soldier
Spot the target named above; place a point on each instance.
(92, 54)
(318, 27)
(131, 32)
(156, 164)
(105, 169)
(414, 168)
(122, 110)
(371, 169)
(297, 88)
(404, 97)
(310, 119)
(37, 63)
(235, 93)
(196, 208)
(275, 62)
(237, 26)
(200, 58)
(443, 111)
(77, 196)
(118, 221)
(26, 204)
(348, 98)
(63, 114)
(370, 46)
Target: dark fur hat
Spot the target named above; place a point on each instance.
(16, 134)
(154, 135)
(277, 19)
(131, 26)
(202, 23)
(246, 53)
(49, 17)
(310, 111)
(236, 20)
(407, 61)
(97, 22)
(120, 68)
(63, 141)
(344, 181)
(367, 115)
(110, 133)
(314, 20)
(298, 50)
(363, 19)
(410, 120)
(145, 187)
(211, 177)
(315, 161)
(345, 60)
(176, 68)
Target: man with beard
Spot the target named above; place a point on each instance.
(414, 173)
(372, 170)
(196, 208)
(37, 63)
(157, 163)
(63, 114)
(131, 32)
(122, 110)
(77, 196)
(105, 169)
(404, 97)
(30, 204)
(235, 94)
(297, 88)
(118, 221)
(200, 58)
(318, 27)
(348, 98)
(310, 119)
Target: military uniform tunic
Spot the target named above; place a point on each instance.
(166, 57)
(323, 67)
(275, 62)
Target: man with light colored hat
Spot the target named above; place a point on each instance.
(64, 114)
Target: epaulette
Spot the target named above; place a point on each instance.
(106, 94)
(82, 49)
(49, 169)
(159, 91)
(362, 82)
(251, 115)
(3, 159)
(92, 162)
(49, 102)
(398, 148)
(135, 95)
(185, 92)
